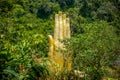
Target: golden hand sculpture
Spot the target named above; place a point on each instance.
(61, 31)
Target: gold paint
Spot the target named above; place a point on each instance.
(61, 31)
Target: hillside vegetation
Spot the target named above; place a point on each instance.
(95, 38)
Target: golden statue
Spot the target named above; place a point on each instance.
(61, 31)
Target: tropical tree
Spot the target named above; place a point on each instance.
(95, 49)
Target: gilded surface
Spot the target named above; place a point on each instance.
(61, 31)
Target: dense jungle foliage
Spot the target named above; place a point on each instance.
(26, 24)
